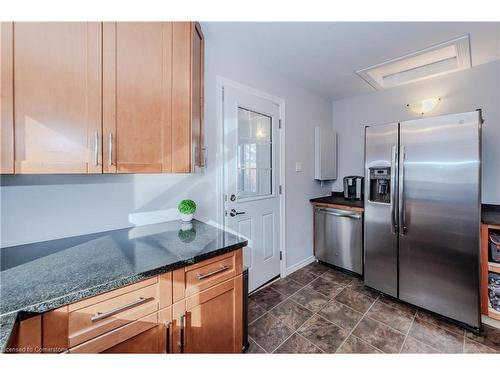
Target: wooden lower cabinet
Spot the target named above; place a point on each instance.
(128, 308)
(486, 268)
(141, 336)
(26, 337)
(213, 320)
(205, 316)
(147, 342)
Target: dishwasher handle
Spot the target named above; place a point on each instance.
(340, 213)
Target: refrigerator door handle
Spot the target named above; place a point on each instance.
(402, 211)
(394, 168)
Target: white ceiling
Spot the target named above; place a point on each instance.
(323, 56)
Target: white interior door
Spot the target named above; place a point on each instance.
(251, 176)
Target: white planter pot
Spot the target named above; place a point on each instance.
(186, 226)
(186, 217)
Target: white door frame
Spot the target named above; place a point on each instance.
(222, 82)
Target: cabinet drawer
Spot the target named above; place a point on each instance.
(205, 274)
(136, 337)
(94, 320)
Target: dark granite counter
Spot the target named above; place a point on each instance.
(490, 214)
(39, 277)
(338, 198)
(7, 323)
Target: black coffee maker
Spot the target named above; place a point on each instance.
(353, 187)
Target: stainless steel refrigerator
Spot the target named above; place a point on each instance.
(422, 213)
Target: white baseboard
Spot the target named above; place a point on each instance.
(489, 321)
(299, 265)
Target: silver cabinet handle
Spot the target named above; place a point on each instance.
(234, 213)
(333, 213)
(110, 149)
(394, 166)
(96, 148)
(203, 156)
(167, 336)
(221, 268)
(109, 313)
(181, 338)
(402, 213)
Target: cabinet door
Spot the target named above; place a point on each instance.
(214, 319)
(181, 100)
(137, 97)
(187, 102)
(6, 98)
(141, 336)
(146, 342)
(178, 326)
(197, 95)
(57, 97)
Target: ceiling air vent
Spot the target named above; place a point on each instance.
(437, 60)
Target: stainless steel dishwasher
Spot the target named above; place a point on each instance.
(338, 238)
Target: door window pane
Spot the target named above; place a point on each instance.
(254, 154)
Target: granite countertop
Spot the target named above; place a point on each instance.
(490, 214)
(338, 198)
(39, 277)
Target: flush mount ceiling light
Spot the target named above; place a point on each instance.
(440, 59)
(424, 106)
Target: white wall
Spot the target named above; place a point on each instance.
(304, 111)
(463, 91)
(36, 208)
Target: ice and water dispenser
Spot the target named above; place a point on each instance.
(380, 184)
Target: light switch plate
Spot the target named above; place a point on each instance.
(298, 166)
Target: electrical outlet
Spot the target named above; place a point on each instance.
(298, 166)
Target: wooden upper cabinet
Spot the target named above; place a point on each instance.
(57, 97)
(137, 65)
(197, 95)
(187, 104)
(6, 98)
(181, 104)
(153, 95)
(113, 97)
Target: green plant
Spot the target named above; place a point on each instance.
(187, 206)
(187, 236)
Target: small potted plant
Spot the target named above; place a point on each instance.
(187, 208)
(187, 235)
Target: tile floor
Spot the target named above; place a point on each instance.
(320, 310)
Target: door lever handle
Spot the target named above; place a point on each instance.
(233, 212)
